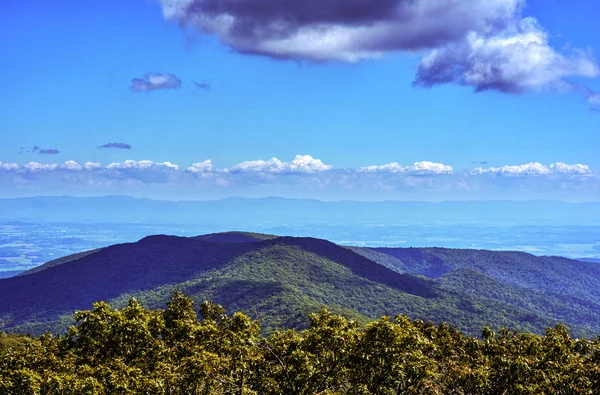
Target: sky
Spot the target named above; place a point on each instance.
(389, 99)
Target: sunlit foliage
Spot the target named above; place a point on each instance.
(135, 350)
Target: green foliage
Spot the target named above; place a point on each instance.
(134, 350)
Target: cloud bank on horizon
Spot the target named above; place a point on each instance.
(483, 44)
(310, 174)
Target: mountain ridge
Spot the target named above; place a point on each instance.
(276, 279)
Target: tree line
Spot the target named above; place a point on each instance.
(135, 350)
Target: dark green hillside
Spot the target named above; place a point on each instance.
(547, 274)
(384, 259)
(556, 306)
(277, 281)
(152, 262)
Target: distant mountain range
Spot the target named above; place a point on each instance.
(242, 212)
(279, 280)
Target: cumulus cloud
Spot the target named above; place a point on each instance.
(514, 61)
(117, 146)
(142, 165)
(49, 151)
(418, 168)
(143, 171)
(310, 177)
(201, 167)
(72, 165)
(337, 29)
(8, 166)
(300, 164)
(35, 167)
(155, 81)
(536, 169)
(486, 44)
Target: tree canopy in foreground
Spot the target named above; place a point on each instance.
(136, 350)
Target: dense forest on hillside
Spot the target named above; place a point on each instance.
(135, 350)
(281, 280)
(278, 281)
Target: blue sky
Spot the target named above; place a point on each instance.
(69, 69)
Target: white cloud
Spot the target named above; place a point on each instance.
(142, 165)
(393, 167)
(516, 60)
(417, 168)
(426, 167)
(71, 165)
(300, 164)
(536, 169)
(201, 167)
(306, 176)
(35, 167)
(92, 166)
(8, 166)
(577, 169)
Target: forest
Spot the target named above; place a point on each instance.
(179, 350)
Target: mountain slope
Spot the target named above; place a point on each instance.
(60, 261)
(276, 280)
(555, 275)
(560, 307)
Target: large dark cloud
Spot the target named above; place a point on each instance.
(339, 29)
(155, 81)
(485, 44)
(116, 145)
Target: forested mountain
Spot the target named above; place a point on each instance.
(546, 274)
(280, 280)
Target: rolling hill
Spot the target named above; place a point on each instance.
(279, 280)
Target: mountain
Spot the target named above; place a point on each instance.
(278, 280)
(546, 273)
(272, 211)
